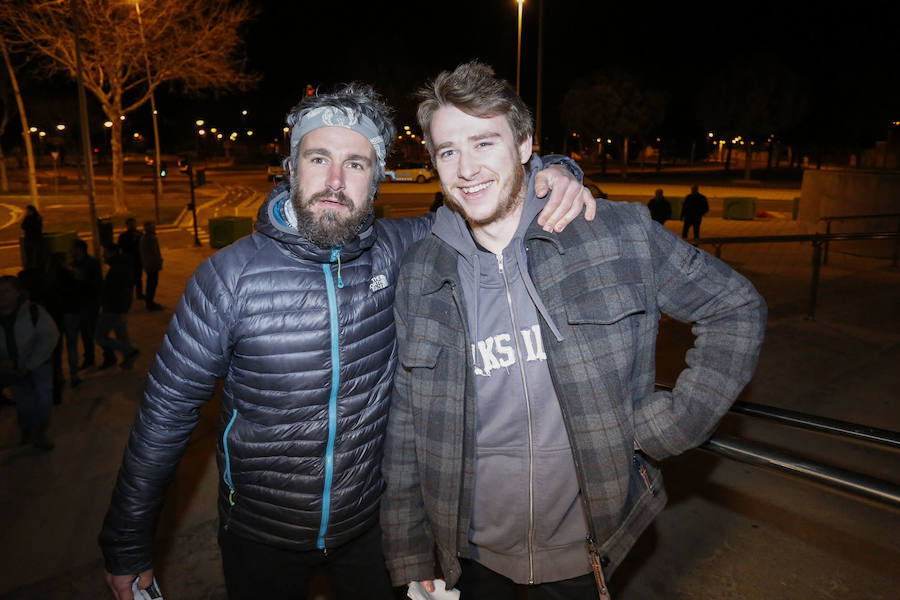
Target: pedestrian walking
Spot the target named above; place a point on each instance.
(115, 300)
(129, 243)
(33, 236)
(26, 348)
(695, 206)
(660, 208)
(152, 263)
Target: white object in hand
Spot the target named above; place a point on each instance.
(417, 591)
(149, 593)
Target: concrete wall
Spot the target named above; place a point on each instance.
(834, 192)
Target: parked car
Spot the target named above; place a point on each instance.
(275, 170)
(420, 172)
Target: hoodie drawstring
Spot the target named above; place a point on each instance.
(532, 292)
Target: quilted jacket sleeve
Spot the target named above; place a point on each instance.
(408, 541)
(728, 317)
(193, 354)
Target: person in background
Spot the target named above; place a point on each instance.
(660, 208)
(81, 312)
(26, 348)
(129, 243)
(33, 234)
(695, 206)
(115, 300)
(152, 263)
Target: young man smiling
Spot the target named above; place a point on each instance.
(297, 321)
(524, 424)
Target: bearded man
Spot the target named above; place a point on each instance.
(297, 320)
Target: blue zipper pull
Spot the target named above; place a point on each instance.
(336, 256)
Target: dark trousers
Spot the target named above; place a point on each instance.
(478, 582)
(355, 570)
(152, 281)
(687, 225)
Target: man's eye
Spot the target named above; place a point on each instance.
(445, 154)
(355, 165)
(483, 144)
(317, 160)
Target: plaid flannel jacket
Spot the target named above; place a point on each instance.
(604, 284)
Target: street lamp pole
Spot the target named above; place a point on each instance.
(519, 48)
(85, 132)
(157, 178)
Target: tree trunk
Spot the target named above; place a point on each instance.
(26, 133)
(625, 158)
(118, 170)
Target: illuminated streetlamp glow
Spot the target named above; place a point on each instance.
(199, 122)
(108, 124)
(250, 132)
(121, 117)
(244, 113)
(42, 133)
(33, 129)
(202, 132)
(61, 127)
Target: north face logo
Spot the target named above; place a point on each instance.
(379, 282)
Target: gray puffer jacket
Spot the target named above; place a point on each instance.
(303, 338)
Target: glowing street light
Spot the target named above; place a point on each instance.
(519, 47)
(108, 124)
(61, 127)
(199, 122)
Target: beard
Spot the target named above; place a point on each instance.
(510, 199)
(328, 228)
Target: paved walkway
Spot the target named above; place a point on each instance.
(731, 531)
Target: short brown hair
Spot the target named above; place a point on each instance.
(474, 89)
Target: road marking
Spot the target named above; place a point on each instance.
(15, 215)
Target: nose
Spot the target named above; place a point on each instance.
(467, 167)
(334, 179)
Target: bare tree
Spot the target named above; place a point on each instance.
(195, 44)
(26, 133)
(612, 104)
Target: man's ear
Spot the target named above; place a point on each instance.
(525, 149)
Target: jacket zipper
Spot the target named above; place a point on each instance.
(226, 476)
(512, 317)
(332, 400)
(597, 561)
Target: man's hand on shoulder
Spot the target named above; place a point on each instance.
(567, 198)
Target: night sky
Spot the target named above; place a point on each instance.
(845, 55)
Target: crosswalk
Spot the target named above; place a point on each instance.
(220, 200)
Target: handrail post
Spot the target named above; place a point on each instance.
(827, 232)
(814, 286)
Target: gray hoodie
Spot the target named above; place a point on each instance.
(527, 520)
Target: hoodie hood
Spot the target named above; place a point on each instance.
(451, 227)
(277, 219)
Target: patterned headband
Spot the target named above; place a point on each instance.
(329, 116)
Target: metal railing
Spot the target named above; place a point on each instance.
(829, 220)
(818, 240)
(760, 455)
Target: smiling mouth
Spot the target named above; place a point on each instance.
(476, 188)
